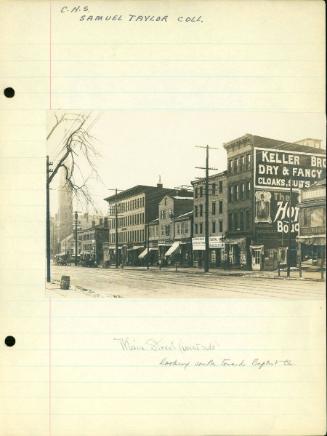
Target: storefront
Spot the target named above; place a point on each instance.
(217, 252)
(149, 256)
(236, 253)
(130, 256)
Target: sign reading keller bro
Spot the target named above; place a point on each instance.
(275, 169)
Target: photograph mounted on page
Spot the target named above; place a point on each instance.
(139, 206)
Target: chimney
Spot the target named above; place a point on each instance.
(159, 184)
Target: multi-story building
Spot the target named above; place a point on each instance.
(149, 256)
(65, 207)
(217, 219)
(312, 230)
(91, 242)
(264, 178)
(67, 246)
(170, 209)
(87, 220)
(132, 209)
(183, 238)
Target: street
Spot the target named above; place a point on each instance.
(188, 283)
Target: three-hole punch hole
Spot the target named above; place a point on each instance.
(10, 341)
(9, 92)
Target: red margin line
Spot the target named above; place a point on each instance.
(50, 393)
(50, 54)
(50, 302)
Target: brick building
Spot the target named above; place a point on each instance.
(171, 207)
(91, 241)
(312, 230)
(217, 219)
(262, 206)
(136, 207)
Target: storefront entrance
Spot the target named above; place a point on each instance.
(256, 257)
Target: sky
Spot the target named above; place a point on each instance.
(139, 147)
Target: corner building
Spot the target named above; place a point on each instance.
(136, 208)
(217, 220)
(264, 178)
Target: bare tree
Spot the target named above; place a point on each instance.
(77, 153)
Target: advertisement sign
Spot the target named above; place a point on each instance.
(273, 210)
(276, 169)
(262, 207)
(198, 243)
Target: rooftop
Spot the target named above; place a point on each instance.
(261, 141)
(184, 215)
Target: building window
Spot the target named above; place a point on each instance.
(196, 211)
(196, 193)
(201, 191)
(213, 189)
(241, 220)
(220, 206)
(185, 231)
(213, 208)
(220, 186)
(248, 190)
(196, 229)
(231, 165)
(243, 191)
(236, 223)
(221, 229)
(213, 226)
(201, 209)
(247, 219)
(178, 229)
(230, 221)
(249, 161)
(243, 163)
(167, 230)
(237, 193)
(237, 165)
(231, 190)
(306, 218)
(201, 228)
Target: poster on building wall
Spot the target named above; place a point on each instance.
(276, 169)
(198, 243)
(276, 212)
(262, 207)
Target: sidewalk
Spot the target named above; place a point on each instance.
(294, 275)
(73, 291)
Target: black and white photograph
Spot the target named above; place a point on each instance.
(151, 210)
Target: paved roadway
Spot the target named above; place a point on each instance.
(133, 283)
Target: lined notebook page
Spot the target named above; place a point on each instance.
(105, 366)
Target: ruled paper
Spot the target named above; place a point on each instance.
(73, 370)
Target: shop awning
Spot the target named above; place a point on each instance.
(135, 247)
(172, 249)
(145, 252)
(257, 247)
(235, 241)
(312, 240)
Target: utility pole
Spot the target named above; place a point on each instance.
(289, 231)
(116, 228)
(206, 206)
(48, 171)
(76, 244)
(116, 223)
